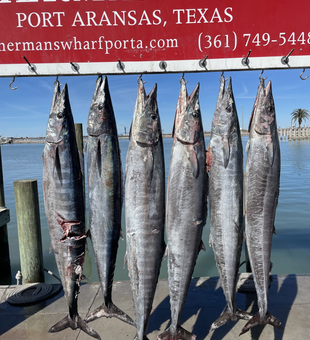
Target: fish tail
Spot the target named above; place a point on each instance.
(180, 334)
(227, 316)
(78, 323)
(109, 312)
(144, 338)
(255, 320)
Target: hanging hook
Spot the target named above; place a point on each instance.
(222, 77)
(182, 78)
(140, 77)
(301, 77)
(12, 88)
(260, 76)
(56, 81)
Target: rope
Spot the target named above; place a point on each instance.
(32, 292)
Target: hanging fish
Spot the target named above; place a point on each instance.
(105, 192)
(226, 199)
(186, 205)
(64, 205)
(144, 205)
(262, 182)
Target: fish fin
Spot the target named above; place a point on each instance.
(125, 260)
(194, 161)
(166, 252)
(180, 334)
(255, 320)
(150, 165)
(210, 241)
(121, 234)
(88, 233)
(129, 136)
(86, 328)
(85, 147)
(57, 165)
(274, 230)
(79, 323)
(202, 246)
(228, 316)
(247, 146)
(109, 312)
(270, 153)
(98, 157)
(226, 152)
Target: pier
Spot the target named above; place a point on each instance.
(289, 301)
(293, 133)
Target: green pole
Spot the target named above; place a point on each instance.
(29, 230)
(5, 272)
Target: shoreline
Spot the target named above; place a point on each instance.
(41, 140)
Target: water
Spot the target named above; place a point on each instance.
(291, 245)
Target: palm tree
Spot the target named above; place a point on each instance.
(300, 115)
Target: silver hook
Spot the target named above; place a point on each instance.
(260, 76)
(140, 77)
(12, 88)
(222, 77)
(301, 77)
(183, 79)
(56, 81)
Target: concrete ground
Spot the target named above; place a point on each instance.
(289, 301)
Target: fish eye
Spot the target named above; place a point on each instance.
(100, 106)
(228, 108)
(195, 114)
(153, 116)
(60, 115)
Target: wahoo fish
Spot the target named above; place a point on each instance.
(144, 205)
(262, 181)
(64, 205)
(225, 160)
(186, 205)
(105, 192)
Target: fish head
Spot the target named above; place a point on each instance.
(225, 117)
(60, 120)
(189, 124)
(101, 118)
(264, 118)
(146, 123)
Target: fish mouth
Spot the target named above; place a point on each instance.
(263, 133)
(185, 142)
(53, 142)
(147, 144)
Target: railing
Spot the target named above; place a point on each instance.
(292, 133)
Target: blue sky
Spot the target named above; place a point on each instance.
(24, 112)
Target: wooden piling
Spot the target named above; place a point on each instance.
(29, 230)
(5, 265)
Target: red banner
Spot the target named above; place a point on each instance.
(141, 33)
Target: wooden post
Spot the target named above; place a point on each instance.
(79, 136)
(29, 230)
(5, 272)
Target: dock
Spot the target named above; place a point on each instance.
(289, 301)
